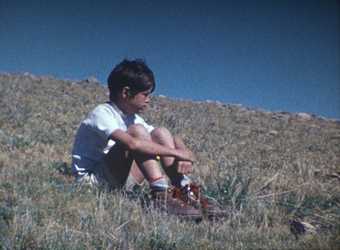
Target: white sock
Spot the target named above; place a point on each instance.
(181, 181)
(185, 181)
(159, 184)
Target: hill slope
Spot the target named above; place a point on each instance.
(273, 171)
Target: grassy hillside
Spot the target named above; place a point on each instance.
(278, 174)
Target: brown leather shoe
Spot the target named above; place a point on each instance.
(191, 194)
(168, 201)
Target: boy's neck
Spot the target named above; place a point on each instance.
(121, 107)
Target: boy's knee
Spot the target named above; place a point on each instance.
(137, 130)
(160, 132)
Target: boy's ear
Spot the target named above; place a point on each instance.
(126, 92)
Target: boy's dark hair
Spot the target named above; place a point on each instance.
(134, 74)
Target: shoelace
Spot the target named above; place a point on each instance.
(193, 192)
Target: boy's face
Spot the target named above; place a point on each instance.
(138, 103)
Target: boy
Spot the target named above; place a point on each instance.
(115, 147)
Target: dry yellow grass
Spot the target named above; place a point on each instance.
(278, 174)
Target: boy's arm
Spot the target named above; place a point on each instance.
(150, 147)
(183, 167)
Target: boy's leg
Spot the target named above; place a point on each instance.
(165, 138)
(135, 178)
(136, 174)
(190, 192)
(147, 165)
(163, 196)
(121, 163)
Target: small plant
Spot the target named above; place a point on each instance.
(232, 191)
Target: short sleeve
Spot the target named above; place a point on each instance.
(103, 121)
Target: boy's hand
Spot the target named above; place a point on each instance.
(185, 162)
(186, 155)
(184, 167)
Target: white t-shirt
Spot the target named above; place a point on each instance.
(92, 139)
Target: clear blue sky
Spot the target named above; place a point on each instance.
(281, 55)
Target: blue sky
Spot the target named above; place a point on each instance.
(279, 55)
